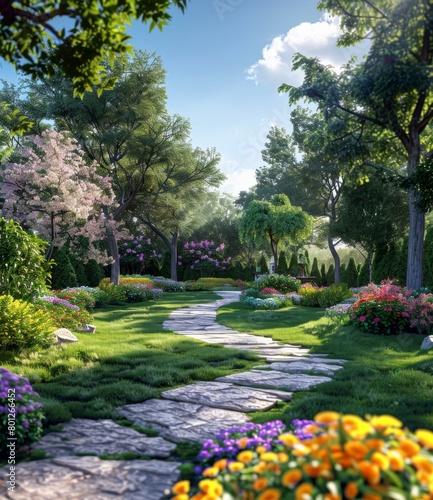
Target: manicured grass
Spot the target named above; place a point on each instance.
(385, 374)
(129, 359)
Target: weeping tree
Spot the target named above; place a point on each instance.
(274, 222)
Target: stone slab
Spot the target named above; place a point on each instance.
(223, 395)
(283, 350)
(305, 366)
(275, 379)
(179, 421)
(89, 478)
(310, 358)
(427, 342)
(102, 437)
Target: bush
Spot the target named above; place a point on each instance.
(137, 293)
(169, 285)
(62, 313)
(77, 296)
(116, 294)
(269, 291)
(23, 326)
(310, 295)
(20, 413)
(215, 282)
(284, 284)
(249, 292)
(23, 268)
(334, 456)
(265, 304)
(334, 294)
(195, 286)
(63, 272)
(128, 280)
(94, 273)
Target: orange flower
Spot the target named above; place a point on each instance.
(283, 457)
(356, 450)
(409, 448)
(181, 487)
(291, 477)
(396, 461)
(242, 442)
(211, 487)
(369, 471)
(425, 437)
(288, 439)
(355, 427)
(381, 460)
(319, 470)
(375, 444)
(182, 496)
(235, 466)
(371, 496)
(210, 472)
(245, 456)
(270, 494)
(304, 491)
(332, 496)
(384, 421)
(423, 463)
(351, 490)
(261, 449)
(221, 464)
(327, 417)
(260, 467)
(260, 484)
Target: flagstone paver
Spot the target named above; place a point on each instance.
(102, 437)
(195, 412)
(223, 395)
(179, 421)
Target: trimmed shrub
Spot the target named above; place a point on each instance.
(351, 274)
(94, 273)
(282, 267)
(169, 285)
(293, 265)
(136, 293)
(334, 294)
(62, 313)
(284, 284)
(116, 294)
(128, 280)
(323, 277)
(263, 264)
(330, 274)
(18, 399)
(263, 304)
(23, 268)
(315, 271)
(63, 273)
(364, 275)
(310, 295)
(23, 325)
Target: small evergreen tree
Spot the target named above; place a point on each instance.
(307, 260)
(80, 272)
(315, 271)
(351, 273)
(343, 273)
(363, 275)
(94, 273)
(323, 276)
(293, 265)
(63, 274)
(330, 274)
(165, 270)
(282, 267)
(263, 264)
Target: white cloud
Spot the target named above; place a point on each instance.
(309, 39)
(238, 180)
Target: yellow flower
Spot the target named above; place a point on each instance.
(182, 496)
(381, 460)
(211, 487)
(384, 421)
(181, 487)
(283, 457)
(235, 466)
(211, 472)
(260, 467)
(425, 437)
(269, 456)
(260, 484)
(351, 490)
(396, 461)
(327, 417)
(355, 427)
(288, 439)
(291, 477)
(270, 494)
(370, 472)
(245, 456)
(423, 463)
(261, 449)
(356, 450)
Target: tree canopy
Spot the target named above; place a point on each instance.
(37, 37)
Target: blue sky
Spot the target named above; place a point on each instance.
(225, 60)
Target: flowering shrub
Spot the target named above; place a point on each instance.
(269, 291)
(295, 298)
(136, 293)
(116, 293)
(284, 284)
(310, 295)
(128, 280)
(169, 285)
(334, 294)
(20, 413)
(339, 314)
(62, 313)
(81, 298)
(138, 252)
(156, 293)
(24, 325)
(204, 256)
(336, 457)
(216, 282)
(266, 304)
(249, 292)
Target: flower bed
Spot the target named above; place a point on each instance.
(334, 457)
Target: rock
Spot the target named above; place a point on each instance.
(304, 366)
(64, 335)
(427, 343)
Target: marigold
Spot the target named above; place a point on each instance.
(381, 460)
(283, 457)
(270, 494)
(181, 487)
(182, 496)
(409, 448)
(304, 491)
(245, 456)
(375, 444)
(211, 472)
(396, 461)
(351, 490)
(235, 466)
(355, 427)
(425, 437)
(291, 477)
(269, 456)
(211, 487)
(288, 439)
(327, 417)
(221, 464)
(332, 496)
(369, 471)
(319, 470)
(381, 422)
(260, 484)
(242, 442)
(356, 450)
(423, 463)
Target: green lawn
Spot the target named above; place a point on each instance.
(129, 359)
(385, 374)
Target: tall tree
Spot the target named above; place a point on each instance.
(390, 91)
(35, 38)
(274, 222)
(56, 193)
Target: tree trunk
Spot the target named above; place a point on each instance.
(173, 255)
(414, 276)
(113, 250)
(336, 259)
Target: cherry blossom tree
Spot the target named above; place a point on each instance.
(54, 192)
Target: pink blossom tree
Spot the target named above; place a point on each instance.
(53, 191)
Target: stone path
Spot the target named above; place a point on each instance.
(194, 412)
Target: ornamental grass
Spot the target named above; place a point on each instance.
(338, 457)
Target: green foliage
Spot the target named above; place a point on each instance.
(334, 294)
(428, 257)
(284, 284)
(315, 271)
(64, 316)
(330, 277)
(293, 265)
(136, 293)
(282, 267)
(351, 274)
(116, 294)
(343, 274)
(63, 273)
(80, 297)
(323, 277)
(23, 269)
(34, 45)
(94, 273)
(80, 271)
(263, 264)
(23, 325)
(310, 295)
(364, 275)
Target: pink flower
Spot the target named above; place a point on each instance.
(362, 319)
(376, 320)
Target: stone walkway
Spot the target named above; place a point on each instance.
(194, 412)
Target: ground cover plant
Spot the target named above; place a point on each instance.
(384, 374)
(129, 359)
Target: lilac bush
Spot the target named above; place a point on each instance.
(20, 413)
(137, 253)
(204, 256)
